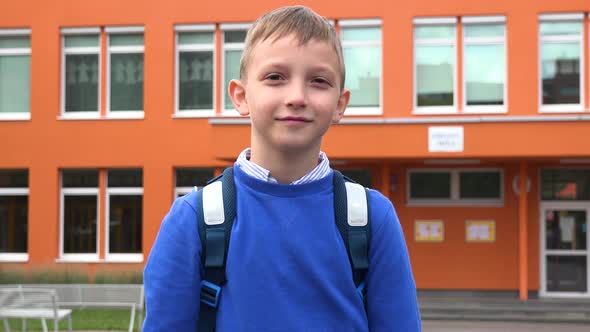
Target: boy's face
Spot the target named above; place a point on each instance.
(292, 93)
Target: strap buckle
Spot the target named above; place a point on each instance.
(210, 293)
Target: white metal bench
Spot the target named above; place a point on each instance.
(32, 303)
(100, 296)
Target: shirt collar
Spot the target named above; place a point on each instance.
(252, 169)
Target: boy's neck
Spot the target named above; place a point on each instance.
(285, 166)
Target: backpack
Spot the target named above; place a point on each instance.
(216, 211)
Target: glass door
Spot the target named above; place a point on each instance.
(564, 261)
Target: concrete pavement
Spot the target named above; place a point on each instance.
(462, 326)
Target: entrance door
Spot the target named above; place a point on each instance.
(565, 268)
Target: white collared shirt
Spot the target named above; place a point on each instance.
(256, 171)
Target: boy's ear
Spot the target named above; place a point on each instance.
(237, 93)
(341, 106)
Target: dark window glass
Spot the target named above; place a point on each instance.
(566, 274)
(189, 177)
(13, 224)
(79, 224)
(430, 185)
(479, 184)
(234, 36)
(126, 82)
(80, 178)
(560, 64)
(125, 214)
(565, 184)
(81, 83)
(195, 75)
(125, 178)
(360, 176)
(14, 178)
(566, 229)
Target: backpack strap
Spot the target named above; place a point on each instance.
(351, 211)
(216, 211)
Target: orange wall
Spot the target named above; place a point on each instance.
(159, 143)
(457, 264)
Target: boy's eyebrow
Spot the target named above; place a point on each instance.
(270, 65)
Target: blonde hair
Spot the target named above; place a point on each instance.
(299, 20)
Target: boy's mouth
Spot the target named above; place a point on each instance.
(294, 119)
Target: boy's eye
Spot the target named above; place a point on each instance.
(274, 77)
(321, 81)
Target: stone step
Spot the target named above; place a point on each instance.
(558, 318)
(494, 306)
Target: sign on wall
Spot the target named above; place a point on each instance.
(429, 231)
(445, 139)
(480, 231)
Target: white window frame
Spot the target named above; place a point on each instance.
(88, 257)
(225, 110)
(575, 17)
(16, 257)
(366, 23)
(455, 199)
(79, 50)
(120, 257)
(193, 48)
(16, 51)
(437, 21)
(484, 20)
(126, 114)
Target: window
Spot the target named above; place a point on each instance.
(15, 74)
(14, 201)
(484, 64)
(561, 50)
(361, 47)
(188, 178)
(81, 73)
(360, 176)
(455, 187)
(83, 66)
(195, 63)
(125, 71)
(79, 214)
(124, 215)
(481, 67)
(434, 64)
(565, 185)
(234, 36)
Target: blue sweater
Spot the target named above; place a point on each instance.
(287, 266)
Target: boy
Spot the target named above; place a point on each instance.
(287, 268)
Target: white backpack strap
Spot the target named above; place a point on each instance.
(356, 198)
(213, 204)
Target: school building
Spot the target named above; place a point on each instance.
(471, 116)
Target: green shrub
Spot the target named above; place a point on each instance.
(46, 276)
(106, 277)
(12, 277)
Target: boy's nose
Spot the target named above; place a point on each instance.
(296, 96)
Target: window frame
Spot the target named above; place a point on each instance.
(364, 23)
(126, 114)
(120, 191)
(15, 257)
(183, 190)
(475, 21)
(84, 191)
(21, 51)
(204, 113)
(65, 32)
(566, 17)
(225, 27)
(455, 199)
(434, 21)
